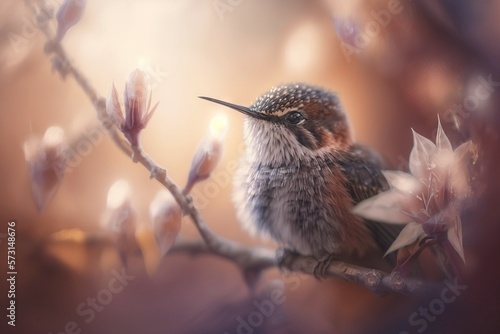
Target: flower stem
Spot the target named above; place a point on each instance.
(455, 261)
(448, 260)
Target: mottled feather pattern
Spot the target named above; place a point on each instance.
(362, 168)
(281, 99)
(327, 123)
(301, 206)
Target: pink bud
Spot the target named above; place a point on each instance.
(120, 221)
(121, 214)
(135, 96)
(208, 153)
(138, 109)
(166, 218)
(69, 14)
(46, 164)
(205, 160)
(347, 30)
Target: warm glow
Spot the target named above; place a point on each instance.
(71, 234)
(53, 136)
(218, 126)
(158, 203)
(118, 194)
(144, 64)
(304, 48)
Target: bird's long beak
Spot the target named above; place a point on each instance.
(244, 110)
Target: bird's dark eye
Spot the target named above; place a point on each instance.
(295, 117)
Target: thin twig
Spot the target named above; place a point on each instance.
(375, 280)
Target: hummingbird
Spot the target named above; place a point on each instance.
(302, 173)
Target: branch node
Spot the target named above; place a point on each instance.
(373, 279)
(60, 65)
(285, 258)
(397, 281)
(50, 47)
(100, 103)
(157, 173)
(135, 159)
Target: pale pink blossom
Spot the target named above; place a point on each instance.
(430, 199)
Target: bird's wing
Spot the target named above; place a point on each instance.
(362, 168)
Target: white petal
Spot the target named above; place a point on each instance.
(443, 160)
(406, 237)
(402, 181)
(385, 207)
(442, 141)
(421, 155)
(463, 151)
(455, 237)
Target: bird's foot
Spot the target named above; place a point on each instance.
(321, 268)
(285, 258)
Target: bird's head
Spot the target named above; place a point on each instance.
(291, 120)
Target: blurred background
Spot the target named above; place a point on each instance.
(396, 65)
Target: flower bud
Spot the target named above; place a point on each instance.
(120, 220)
(69, 14)
(138, 109)
(166, 218)
(46, 164)
(208, 153)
